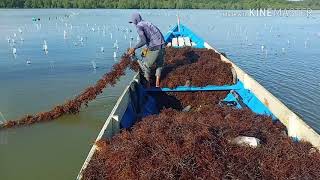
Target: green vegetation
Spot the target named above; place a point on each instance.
(157, 4)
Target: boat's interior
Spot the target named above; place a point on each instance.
(143, 102)
(137, 102)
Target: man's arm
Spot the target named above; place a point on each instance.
(143, 39)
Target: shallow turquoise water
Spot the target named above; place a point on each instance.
(56, 150)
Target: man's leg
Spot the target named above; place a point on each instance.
(148, 62)
(159, 63)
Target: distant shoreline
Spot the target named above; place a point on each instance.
(314, 9)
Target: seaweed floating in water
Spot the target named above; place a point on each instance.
(73, 106)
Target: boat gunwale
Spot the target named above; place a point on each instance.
(297, 128)
(106, 124)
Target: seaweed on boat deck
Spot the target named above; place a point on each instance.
(197, 144)
(195, 67)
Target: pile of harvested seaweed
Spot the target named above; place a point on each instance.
(181, 100)
(198, 145)
(196, 67)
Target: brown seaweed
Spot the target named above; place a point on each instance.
(73, 106)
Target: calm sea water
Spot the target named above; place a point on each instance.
(282, 53)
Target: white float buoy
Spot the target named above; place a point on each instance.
(102, 49)
(114, 54)
(14, 50)
(252, 142)
(20, 30)
(45, 47)
(14, 35)
(28, 61)
(262, 47)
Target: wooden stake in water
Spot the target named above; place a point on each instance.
(3, 120)
(94, 65)
(3, 134)
(178, 22)
(65, 34)
(266, 52)
(305, 44)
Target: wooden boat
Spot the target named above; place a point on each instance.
(246, 92)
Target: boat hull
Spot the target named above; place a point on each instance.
(133, 102)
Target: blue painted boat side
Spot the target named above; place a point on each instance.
(250, 100)
(242, 97)
(247, 96)
(194, 88)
